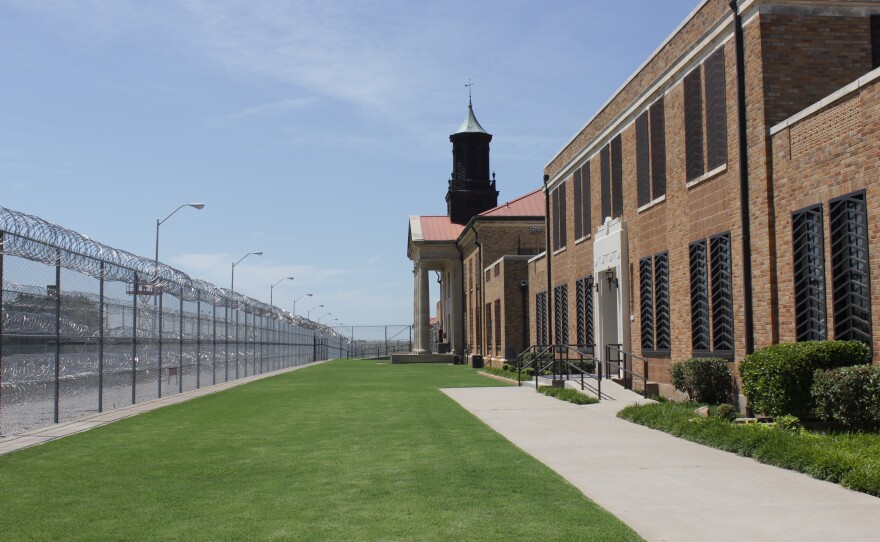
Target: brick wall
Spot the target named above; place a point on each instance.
(792, 60)
(810, 170)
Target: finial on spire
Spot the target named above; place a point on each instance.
(469, 85)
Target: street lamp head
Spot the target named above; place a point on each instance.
(197, 205)
(257, 253)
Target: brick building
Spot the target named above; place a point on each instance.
(721, 199)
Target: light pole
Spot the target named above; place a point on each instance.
(160, 222)
(297, 299)
(271, 288)
(323, 315)
(232, 282)
(309, 312)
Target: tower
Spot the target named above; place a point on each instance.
(470, 190)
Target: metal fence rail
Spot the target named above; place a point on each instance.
(376, 341)
(87, 328)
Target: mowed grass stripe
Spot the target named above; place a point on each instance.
(348, 450)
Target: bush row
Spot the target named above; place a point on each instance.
(824, 379)
(777, 379)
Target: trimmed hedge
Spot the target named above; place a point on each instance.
(777, 379)
(848, 395)
(705, 380)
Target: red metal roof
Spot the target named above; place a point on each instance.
(439, 228)
(532, 204)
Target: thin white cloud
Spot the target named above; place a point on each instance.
(273, 108)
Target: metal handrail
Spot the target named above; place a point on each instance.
(627, 383)
(561, 363)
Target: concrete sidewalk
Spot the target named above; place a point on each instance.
(668, 488)
(60, 430)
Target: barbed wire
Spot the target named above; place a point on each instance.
(33, 238)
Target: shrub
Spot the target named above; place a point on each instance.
(777, 379)
(848, 395)
(726, 411)
(789, 423)
(705, 380)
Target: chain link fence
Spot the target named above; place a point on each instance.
(376, 341)
(87, 328)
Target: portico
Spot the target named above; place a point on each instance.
(432, 248)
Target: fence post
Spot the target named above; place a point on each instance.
(226, 338)
(237, 345)
(314, 348)
(57, 330)
(214, 350)
(134, 335)
(180, 354)
(100, 339)
(161, 317)
(198, 339)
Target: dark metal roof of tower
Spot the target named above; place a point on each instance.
(470, 124)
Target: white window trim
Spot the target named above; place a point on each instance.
(653, 203)
(559, 251)
(708, 175)
(582, 239)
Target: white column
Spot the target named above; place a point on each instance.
(456, 340)
(424, 310)
(415, 332)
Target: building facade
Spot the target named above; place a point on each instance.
(721, 199)
(475, 233)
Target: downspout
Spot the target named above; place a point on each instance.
(547, 253)
(748, 304)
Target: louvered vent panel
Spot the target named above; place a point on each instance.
(646, 302)
(849, 268)
(588, 311)
(808, 255)
(580, 309)
(722, 293)
(661, 302)
(699, 297)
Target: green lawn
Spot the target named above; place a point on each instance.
(349, 450)
(850, 459)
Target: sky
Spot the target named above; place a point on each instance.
(310, 130)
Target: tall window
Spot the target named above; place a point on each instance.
(712, 315)
(848, 221)
(584, 302)
(557, 201)
(560, 314)
(541, 318)
(808, 255)
(497, 327)
(582, 226)
(715, 115)
(611, 165)
(488, 327)
(651, 154)
(654, 304)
